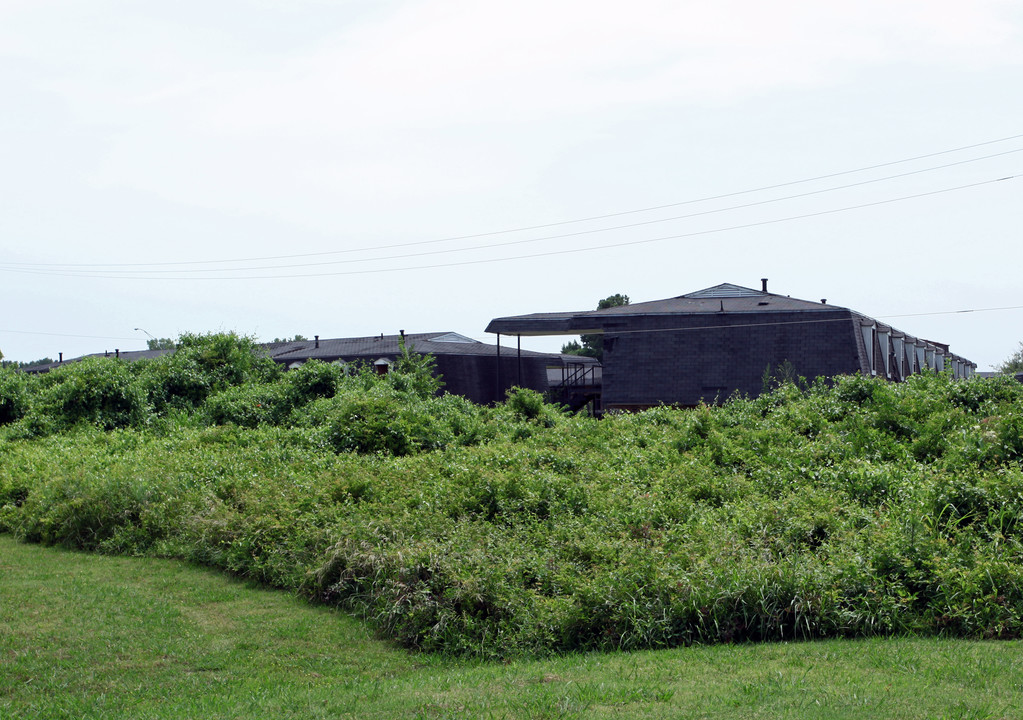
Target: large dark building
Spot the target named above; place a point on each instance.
(478, 371)
(709, 344)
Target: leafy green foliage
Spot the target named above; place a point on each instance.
(852, 507)
(16, 364)
(1013, 364)
(414, 373)
(14, 395)
(248, 405)
(312, 380)
(160, 344)
(592, 345)
(204, 365)
(97, 391)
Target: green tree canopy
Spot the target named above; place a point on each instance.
(1013, 364)
(18, 364)
(593, 345)
(161, 344)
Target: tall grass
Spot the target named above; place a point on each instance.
(856, 508)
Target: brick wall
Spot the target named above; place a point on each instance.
(686, 359)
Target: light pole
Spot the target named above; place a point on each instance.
(151, 345)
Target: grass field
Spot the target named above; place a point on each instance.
(89, 636)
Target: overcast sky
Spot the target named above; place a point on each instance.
(351, 168)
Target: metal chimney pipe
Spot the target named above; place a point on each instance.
(60, 357)
(317, 339)
(763, 282)
(117, 353)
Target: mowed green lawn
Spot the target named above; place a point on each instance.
(88, 636)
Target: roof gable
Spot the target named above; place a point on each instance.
(724, 290)
(452, 337)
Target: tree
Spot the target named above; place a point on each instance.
(161, 344)
(18, 364)
(593, 345)
(297, 338)
(1013, 364)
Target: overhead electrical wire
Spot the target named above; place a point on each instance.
(68, 268)
(72, 267)
(65, 335)
(627, 332)
(551, 253)
(13, 265)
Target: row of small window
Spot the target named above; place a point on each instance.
(910, 355)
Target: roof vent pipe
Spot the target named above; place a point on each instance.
(317, 339)
(824, 301)
(402, 333)
(763, 282)
(117, 352)
(60, 357)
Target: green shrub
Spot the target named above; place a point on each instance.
(14, 395)
(855, 508)
(311, 381)
(204, 365)
(381, 421)
(415, 374)
(528, 405)
(98, 391)
(247, 405)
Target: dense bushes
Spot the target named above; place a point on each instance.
(95, 391)
(849, 508)
(204, 365)
(14, 396)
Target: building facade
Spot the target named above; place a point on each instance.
(710, 344)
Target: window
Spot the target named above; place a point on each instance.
(885, 339)
(868, 343)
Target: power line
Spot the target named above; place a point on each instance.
(531, 255)
(72, 266)
(835, 308)
(953, 312)
(584, 219)
(64, 335)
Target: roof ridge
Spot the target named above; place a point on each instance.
(724, 290)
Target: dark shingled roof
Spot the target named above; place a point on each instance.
(438, 343)
(129, 355)
(720, 298)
